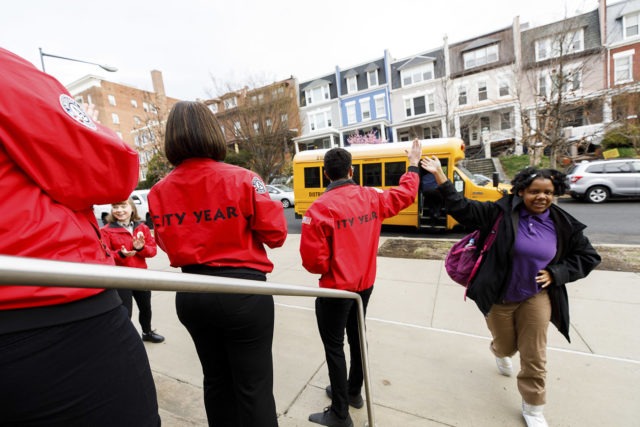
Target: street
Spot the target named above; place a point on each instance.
(613, 222)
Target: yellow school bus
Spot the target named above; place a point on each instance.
(382, 165)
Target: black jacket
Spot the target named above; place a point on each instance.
(575, 257)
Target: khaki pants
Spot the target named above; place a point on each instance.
(523, 327)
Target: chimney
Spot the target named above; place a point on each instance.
(158, 83)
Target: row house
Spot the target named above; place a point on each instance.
(319, 113)
(562, 77)
(621, 22)
(481, 90)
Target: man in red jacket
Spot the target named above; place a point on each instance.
(340, 235)
(68, 356)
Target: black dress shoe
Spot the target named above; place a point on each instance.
(355, 400)
(152, 337)
(329, 418)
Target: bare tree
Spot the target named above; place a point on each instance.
(260, 121)
(558, 68)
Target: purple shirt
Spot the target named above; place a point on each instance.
(534, 248)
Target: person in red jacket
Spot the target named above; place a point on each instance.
(339, 241)
(214, 218)
(132, 243)
(68, 356)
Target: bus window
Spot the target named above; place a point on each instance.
(458, 182)
(392, 173)
(356, 174)
(372, 175)
(312, 177)
(325, 180)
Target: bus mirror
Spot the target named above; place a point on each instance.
(496, 179)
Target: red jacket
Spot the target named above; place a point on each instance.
(212, 213)
(55, 163)
(116, 236)
(341, 230)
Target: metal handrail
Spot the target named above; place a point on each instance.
(38, 272)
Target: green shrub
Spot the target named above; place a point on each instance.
(616, 139)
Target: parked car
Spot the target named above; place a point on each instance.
(139, 197)
(282, 193)
(598, 180)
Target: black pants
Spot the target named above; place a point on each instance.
(143, 301)
(92, 372)
(334, 315)
(233, 335)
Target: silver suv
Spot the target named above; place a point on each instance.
(599, 180)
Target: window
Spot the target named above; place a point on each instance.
(372, 175)
(79, 99)
(431, 132)
(542, 85)
(146, 107)
(269, 123)
(137, 121)
(351, 112)
(112, 100)
(623, 66)
(365, 109)
(503, 88)
(230, 103)
(392, 173)
(320, 120)
(372, 78)
(256, 127)
(562, 44)
(482, 91)
(352, 84)
(485, 124)
(505, 121)
(236, 128)
(569, 81)
(317, 94)
(213, 107)
(134, 103)
(462, 95)
(419, 105)
(312, 177)
(284, 118)
(630, 24)
(379, 101)
(115, 119)
(415, 75)
(89, 101)
(479, 57)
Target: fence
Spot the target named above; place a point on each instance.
(37, 272)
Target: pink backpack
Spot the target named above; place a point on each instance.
(464, 259)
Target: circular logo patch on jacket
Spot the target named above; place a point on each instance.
(73, 109)
(258, 185)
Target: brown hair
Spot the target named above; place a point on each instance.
(193, 131)
(134, 212)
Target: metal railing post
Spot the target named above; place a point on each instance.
(24, 271)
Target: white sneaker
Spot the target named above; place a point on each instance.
(533, 415)
(505, 367)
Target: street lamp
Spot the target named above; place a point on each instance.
(104, 67)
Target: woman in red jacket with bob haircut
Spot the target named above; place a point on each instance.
(214, 218)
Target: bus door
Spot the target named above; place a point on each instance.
(433, 214)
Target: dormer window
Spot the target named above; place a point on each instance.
(562, 44)
(630, 25)
(372, 78)
(352, 84)
(418, 74)
(317, 94)
(482, 56)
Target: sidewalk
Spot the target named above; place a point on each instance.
(428, 352)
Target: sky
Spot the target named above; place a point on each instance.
(204, 47)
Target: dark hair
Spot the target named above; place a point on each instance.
(337, 162)
(134, 211)
(525, 177)
(193, 131)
